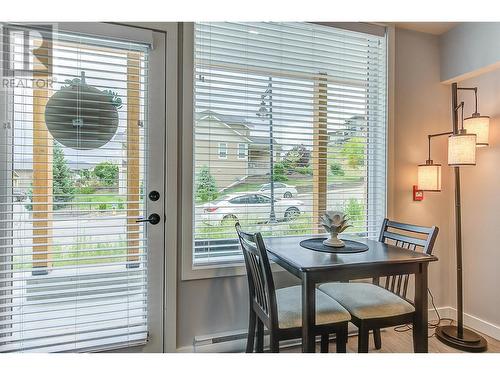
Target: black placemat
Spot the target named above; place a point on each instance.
(316, 244)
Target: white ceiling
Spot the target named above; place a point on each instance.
(436, 28)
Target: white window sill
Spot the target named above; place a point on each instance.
(231, 266)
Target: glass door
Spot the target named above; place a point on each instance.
(81, 213)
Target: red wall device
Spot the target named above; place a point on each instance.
(418, 195)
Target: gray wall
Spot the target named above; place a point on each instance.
(422, 107)
(480, 209)
(216, 305)
(470, 55)
(468, 49)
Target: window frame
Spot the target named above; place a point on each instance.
(235, 267)
(220, 148)
(245, 151)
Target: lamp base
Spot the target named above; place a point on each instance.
(470, 342)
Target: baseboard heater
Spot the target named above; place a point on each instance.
(235, 341)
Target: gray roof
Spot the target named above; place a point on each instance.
(261, 140)
(237, 120)
(227, 119)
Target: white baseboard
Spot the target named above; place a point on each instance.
(471, 321)
(444, 312)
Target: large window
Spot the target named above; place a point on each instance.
(306, 103)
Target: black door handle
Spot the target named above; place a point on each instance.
(152, 219)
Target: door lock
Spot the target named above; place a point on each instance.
(154, 195)
(152, 219)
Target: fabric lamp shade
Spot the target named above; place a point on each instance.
(429, 177)
(462, 149)
(479, 125)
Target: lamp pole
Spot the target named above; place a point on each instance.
(264, 112)
(458, 336)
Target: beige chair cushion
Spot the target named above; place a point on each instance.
(289, 301)
(367, 301)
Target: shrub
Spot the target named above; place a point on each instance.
(356, 212)
(298, 156)
(337, 169)
(354, 151)
(304, 170)
(85, 176)
(107, 173)
(279, 171)
(86, 190)
(102, 206)
(206, 189)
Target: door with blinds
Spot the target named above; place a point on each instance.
(81, 215)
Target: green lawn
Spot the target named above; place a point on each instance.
(100, 201)
(298, 226)
(302, 225)
(68, 255)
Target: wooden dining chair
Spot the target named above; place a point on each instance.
(280, 310)
(374, 306)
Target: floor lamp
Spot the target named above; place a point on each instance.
(462, 143)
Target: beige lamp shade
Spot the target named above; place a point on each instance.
(429, 176)
(479, 125)
(462, 149)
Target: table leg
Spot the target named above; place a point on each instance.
(420, 340)
(308, 314)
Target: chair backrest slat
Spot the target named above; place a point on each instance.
(259, 275)
(406, 241)
(405, 236)
(409, 227)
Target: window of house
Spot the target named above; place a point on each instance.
(242, 150)
(222, 150)
(307, 105)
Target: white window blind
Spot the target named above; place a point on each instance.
(309, 103)
(73, 261)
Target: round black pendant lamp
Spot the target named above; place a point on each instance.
(81, 116)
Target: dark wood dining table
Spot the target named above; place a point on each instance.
(315, 267)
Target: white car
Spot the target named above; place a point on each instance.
(280, 190)
(253, 206)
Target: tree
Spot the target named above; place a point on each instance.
(354, 151)
(62, 181)
(206, 188)
(107, 173)
(355, 209)
(298, 156)
(279, 171)
(85, 175)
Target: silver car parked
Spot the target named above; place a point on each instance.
(249, 206)
(280, 190)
